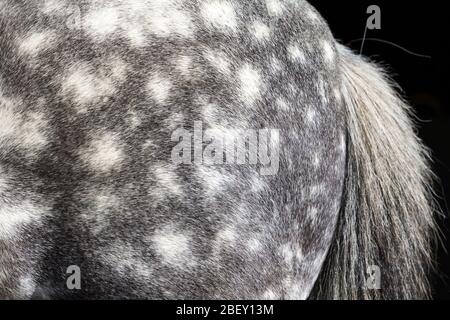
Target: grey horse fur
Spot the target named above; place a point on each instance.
(91, 94)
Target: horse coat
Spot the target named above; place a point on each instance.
(202, 149)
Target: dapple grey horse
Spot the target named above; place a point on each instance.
(203, 149)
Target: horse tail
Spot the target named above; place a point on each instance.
(386, 229)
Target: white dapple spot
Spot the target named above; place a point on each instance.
(103, 22)
(14, 217)
(219, 14)
(173, 247)
(310, 116)
(342, 144)
(313, 16)
(316, 160)
(83, 86)
(33, 133)
(136, 20)
(269, 294)
(312, 213)
(226, 236)
(218, 60)
(296, 54)
(37, 42)
(27, 286)
(213, 180)
(260, 30)
(118, 68)
(317, 190)
(282, 104)
(25, 130)
(184, 64)
(254, 245)
(51, 6)
(9, 120)
(250, 83)
(166, 20)
(276, 65)
(274, 7)
(328, 53)
(287, 254)
(126, 261)
(104, 153)
(167, 180)
(135, 34)
(159, 88)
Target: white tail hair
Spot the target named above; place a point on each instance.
(387, 214)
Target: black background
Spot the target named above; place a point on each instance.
(420, 27)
